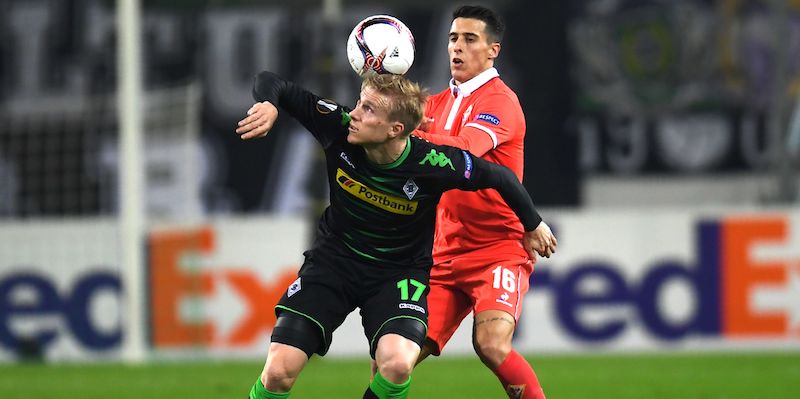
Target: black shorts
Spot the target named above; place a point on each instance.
(330, 287)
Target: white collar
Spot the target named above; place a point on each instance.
(473, 84)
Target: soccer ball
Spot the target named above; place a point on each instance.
(380, 44)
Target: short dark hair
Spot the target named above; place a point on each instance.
(494, 25)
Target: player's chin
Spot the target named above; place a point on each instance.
(352, 138)
(458, 72)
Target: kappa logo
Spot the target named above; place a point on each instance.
(294, 288)
(437, 159)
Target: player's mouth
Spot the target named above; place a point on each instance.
(457, 62)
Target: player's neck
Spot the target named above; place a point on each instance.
(467, 79)
(387, 152)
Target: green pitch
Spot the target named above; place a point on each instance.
(685, 376)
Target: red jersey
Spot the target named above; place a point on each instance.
(483, 116)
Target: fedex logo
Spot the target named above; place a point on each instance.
(175, 287)
(34, 301)
(744, 282)
(221, 307)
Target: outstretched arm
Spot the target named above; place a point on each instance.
(325, 119)
(268, 88)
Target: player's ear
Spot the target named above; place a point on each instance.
(494, 50)
(397, 129)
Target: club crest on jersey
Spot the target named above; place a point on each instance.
(488, 118)
(294, 288)
(466, 114)
(326, 106)
(410, 188)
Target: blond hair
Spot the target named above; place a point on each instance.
(407, 99)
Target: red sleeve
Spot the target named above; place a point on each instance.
(472, 140)
(476, 142)
(497, 116)
(495, 119)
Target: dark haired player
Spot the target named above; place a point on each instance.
(479, 266)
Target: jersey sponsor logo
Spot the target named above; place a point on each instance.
(294, 288)
(437, 159)
(411, 306)
(347, 159)
(468, 164)
(378, 199)
(488, 118)
(326, 106)
(410, 188)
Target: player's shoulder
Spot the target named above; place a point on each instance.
(439, 97)
(422, 149)
(497, 91)
(420, 145)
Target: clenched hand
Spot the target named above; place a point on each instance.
(540, 241)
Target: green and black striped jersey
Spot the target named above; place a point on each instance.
(385, 214)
